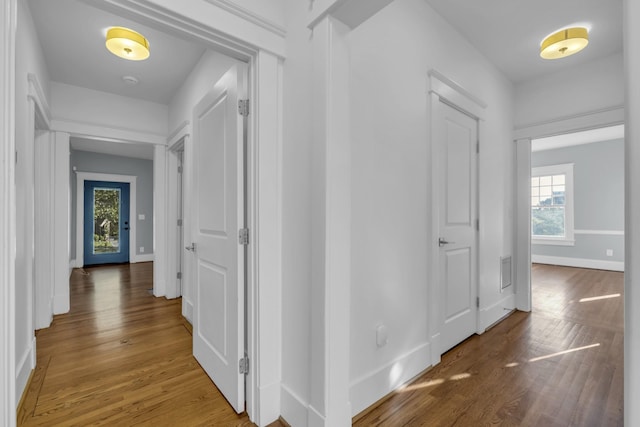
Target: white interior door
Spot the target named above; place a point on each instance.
(218, 327)
(457, 235)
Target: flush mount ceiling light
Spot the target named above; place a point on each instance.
(127, 44)
(564, 43)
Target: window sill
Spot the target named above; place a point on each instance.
(552, 242)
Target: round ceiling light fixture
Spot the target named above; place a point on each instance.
(127, 44)
(564, 43)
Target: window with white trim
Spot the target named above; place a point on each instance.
(552, 205)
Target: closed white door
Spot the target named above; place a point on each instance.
(457, 163)
(218, 327)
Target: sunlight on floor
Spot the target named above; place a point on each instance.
(433, 383)
(560, 353)
(600, 298)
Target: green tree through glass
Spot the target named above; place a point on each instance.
(106, 219)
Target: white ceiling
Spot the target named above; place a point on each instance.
(509, 32)
(72, 35)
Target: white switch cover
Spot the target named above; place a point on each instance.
(141, 249)
(609, 252)
(141, 216)
(382, 336)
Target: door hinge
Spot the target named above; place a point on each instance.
(179, 275)
(243, 107)
(477, 224)
(243, 236)
(179, 223)
(478, 147)
(179, 169)
(244, 365)
(477, 302)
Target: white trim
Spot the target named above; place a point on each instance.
(522, 232)
(81, 177)
(453, 93)
(249, 16)
(578, 262)
(91, 130)
(159, 221)
(579, 122)
(145, 258)
(8, 401)
(25, 365)
(184, 129)
(37, 94)
(294, 409)
(62, 224)
(371, 386)
(600, 232)
(495, 312)
(552, 241)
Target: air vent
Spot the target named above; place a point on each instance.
(505, 272)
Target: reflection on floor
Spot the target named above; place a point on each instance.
(561, 365)
(121, 357)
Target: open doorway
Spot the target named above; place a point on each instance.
(577, 207)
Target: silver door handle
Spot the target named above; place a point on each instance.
(191, 248)
(442, 242)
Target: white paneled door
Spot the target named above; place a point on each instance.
(457, 155)
(218, 326)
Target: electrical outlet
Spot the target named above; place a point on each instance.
(382, 336)
(609, 252)
(141, 249)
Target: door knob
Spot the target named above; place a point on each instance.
(191, 248)
(442, 242)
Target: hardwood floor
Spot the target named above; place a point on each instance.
(561, 365)
(121, 357)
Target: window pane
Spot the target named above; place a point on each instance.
(558, 179)
(558, 189)
(535, 191)
(535, 181)
(547, 221)
(545, 191)
(545, 180)
(106, 220)
(535, 201)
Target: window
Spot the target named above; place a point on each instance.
(552, 205)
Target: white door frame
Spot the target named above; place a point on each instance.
(81, 177)
(444, 90)
(522, 138)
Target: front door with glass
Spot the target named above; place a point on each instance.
(106, 222)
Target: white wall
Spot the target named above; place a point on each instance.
(92, 107)
(204, 75)
(586, 88)
(390, 56)
(29, 59)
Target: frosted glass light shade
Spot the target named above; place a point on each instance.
(564, 43)
(127, 44)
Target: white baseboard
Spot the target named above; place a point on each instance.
(495, 312)
(315, 418)
(187, 310)
(23, 370)
(61, 303)
(578, 262)
(373, 386)
(269, 404)
(72, 265)
(294, 410)
(141, 258)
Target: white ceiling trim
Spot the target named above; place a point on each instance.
(87, 130)
(578, 138)
(248, 15)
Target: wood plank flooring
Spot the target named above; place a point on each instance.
(121, 357)
(561, 365)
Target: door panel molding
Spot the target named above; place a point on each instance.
(444, 92)
(81, 177)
